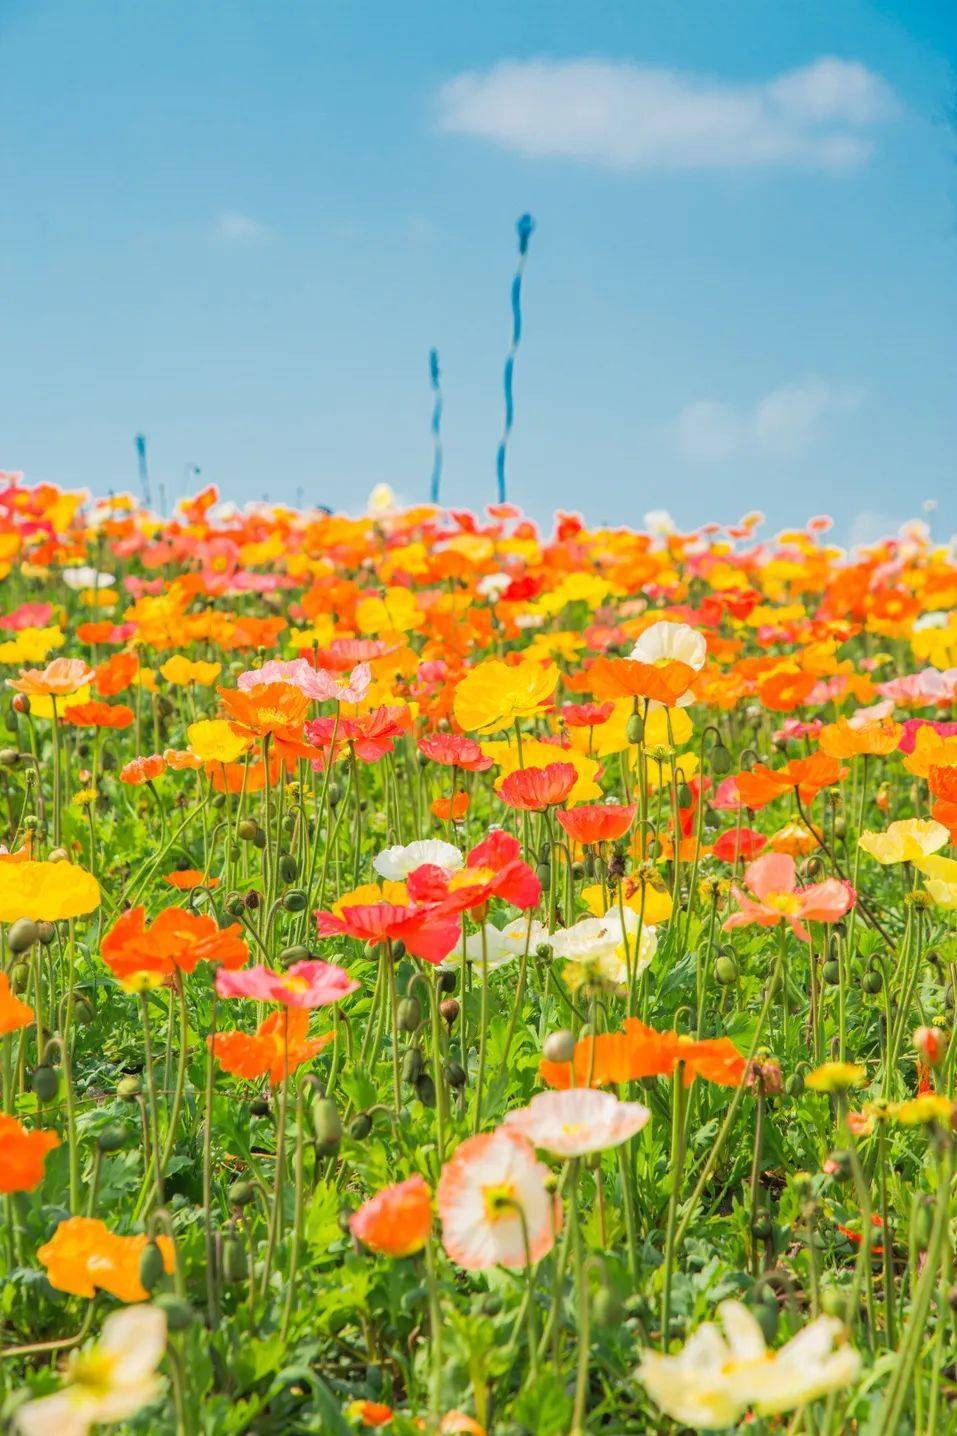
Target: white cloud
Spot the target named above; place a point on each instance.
(781, 424)
(632, 116)
(234, 228)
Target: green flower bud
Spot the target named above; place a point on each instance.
(178, 1312)
(44, 1083)
(152, 1269)
(22, 934)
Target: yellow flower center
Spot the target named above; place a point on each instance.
(788, 904)
(499, 1201)
(471, 877)
(271, 715)
(92, 1372)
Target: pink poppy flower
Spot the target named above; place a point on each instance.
(494, 1205)
(305, 984)
(921, 689)
(777, 898)
(579, 1120)
(912, 727)
(315, 683)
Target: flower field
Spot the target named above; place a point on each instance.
(463, 977)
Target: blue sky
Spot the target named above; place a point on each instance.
(239, 227)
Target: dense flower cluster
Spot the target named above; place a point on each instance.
(447, 963)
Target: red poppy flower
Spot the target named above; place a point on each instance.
(492, 869)
(427, 932)
(586, 715)
(736, 843)
(597, 822)
(371, 736)
(535, 789)
(454, 750)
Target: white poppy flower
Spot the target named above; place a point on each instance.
(80, 578)
(397, 862)
(581, 1120)
(716, 1377)
(502, 945)
(667, 642)
(493, 585)
(104, 1383)
(659, 523)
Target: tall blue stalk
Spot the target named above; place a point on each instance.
(436, 425)
(524, 227)
(143, 468)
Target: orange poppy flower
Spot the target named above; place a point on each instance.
(234, 777)
(14, 1014)
(943, 782)
(115, 674)
(370, 1413)
(760, 784)
(142, 770)
(22, 1155)
(185, 879)
(810, 775)
(181, 760)
(84, 1255)
(278, 1046)
(640, 1051)
(98, 631)
(270, 709)
(841, 740)
(450, 810)
(627, 678)
(783, 692)
(99, 715)
(397, 1221)
(176, 940)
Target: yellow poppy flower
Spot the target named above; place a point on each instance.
(397, 611)
(181, 671)
(929, 1107)
(906, 841)
(657, 901)
(836, 1077)
(941, 876)
(930, 750)
(493, 695)
(46, 892)
(215, 741)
